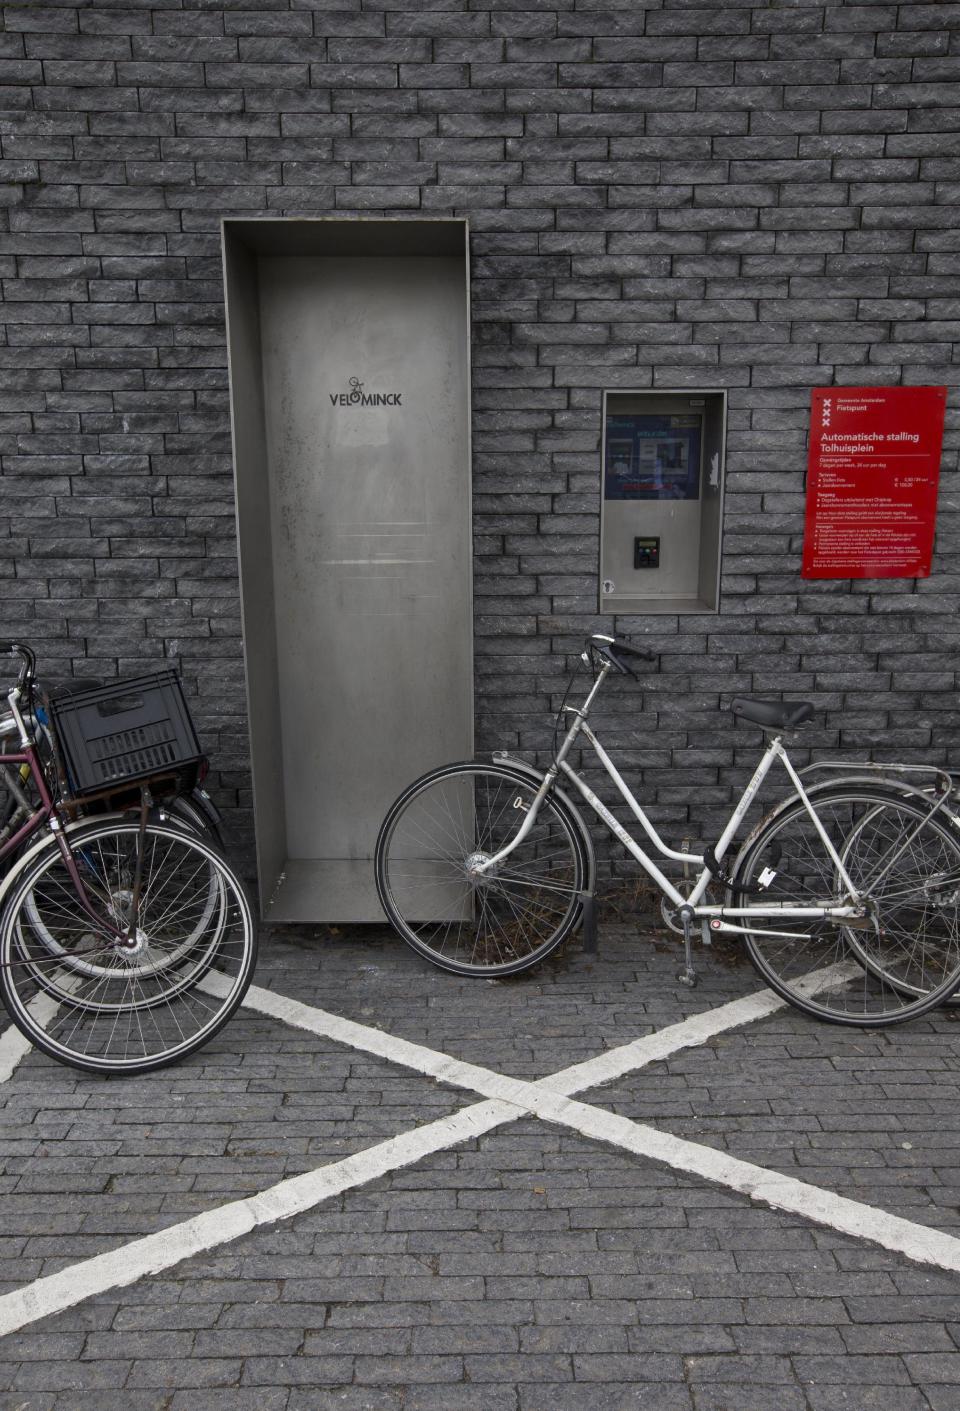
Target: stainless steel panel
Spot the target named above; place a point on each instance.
(354, 533)
(365, 382)
(256, 563)
(714, 452)
(676, 523)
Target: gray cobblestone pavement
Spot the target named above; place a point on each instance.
(568, 1009)
(528, 1270)
(260, 1103)
(873, 1115)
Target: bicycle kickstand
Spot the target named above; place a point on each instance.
(688, 975)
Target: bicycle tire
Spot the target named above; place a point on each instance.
(896, 963)
(205, 923)
(935, 891)
(504, 921)
(89, 1003)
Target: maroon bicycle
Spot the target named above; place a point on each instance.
(126, 938)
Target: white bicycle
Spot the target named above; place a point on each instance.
(846, 894)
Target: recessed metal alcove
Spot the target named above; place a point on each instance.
(350, 386)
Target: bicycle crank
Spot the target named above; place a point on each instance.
(688, 975)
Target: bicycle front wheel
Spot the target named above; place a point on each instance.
(900, 958)
(89, 1001)
(493, 922)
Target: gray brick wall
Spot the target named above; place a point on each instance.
(754, 196)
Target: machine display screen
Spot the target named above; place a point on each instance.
(649, 456)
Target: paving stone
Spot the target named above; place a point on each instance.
(869, 1371)
(633, 1367)
(460, 1398)
(749, 1398)
(250, 1342)
(454, 1340)
(297, 1371)
(144, 1343)
(238, 1398)
(606, 1398)
(29, 1346)
(785, 1341)
(927, 1368)
(108, 1400)
(74, 1377)
(528, 1366)
(896, 1337)
(940, 1398)
(870, 1398)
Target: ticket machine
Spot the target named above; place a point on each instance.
(662, 491)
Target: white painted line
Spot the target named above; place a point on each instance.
(153, 1253)
(431, 1062)
(604, 1068)
(548, 1099)
(163, 1250)
(615, 1063)
(14, 1046)
(698, 1029)
(509, 1098)
(823, 1207)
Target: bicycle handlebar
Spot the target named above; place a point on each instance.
(612, 648)
(14, 649)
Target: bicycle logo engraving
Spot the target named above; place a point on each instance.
(357, 397)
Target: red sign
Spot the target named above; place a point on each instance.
(872, 481)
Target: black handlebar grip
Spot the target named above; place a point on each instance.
(19, 649)
(621, 646)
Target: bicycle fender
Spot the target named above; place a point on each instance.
(531, 774)
(812, 790)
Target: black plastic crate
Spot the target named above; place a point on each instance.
(125, 731)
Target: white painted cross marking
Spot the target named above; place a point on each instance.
(508, 1098)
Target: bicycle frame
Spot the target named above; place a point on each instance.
(693, 902)
(45, 813)
(26, 755)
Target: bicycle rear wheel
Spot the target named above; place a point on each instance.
(902, 958)
(922, 863)
(85, 999)
(494, 923)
